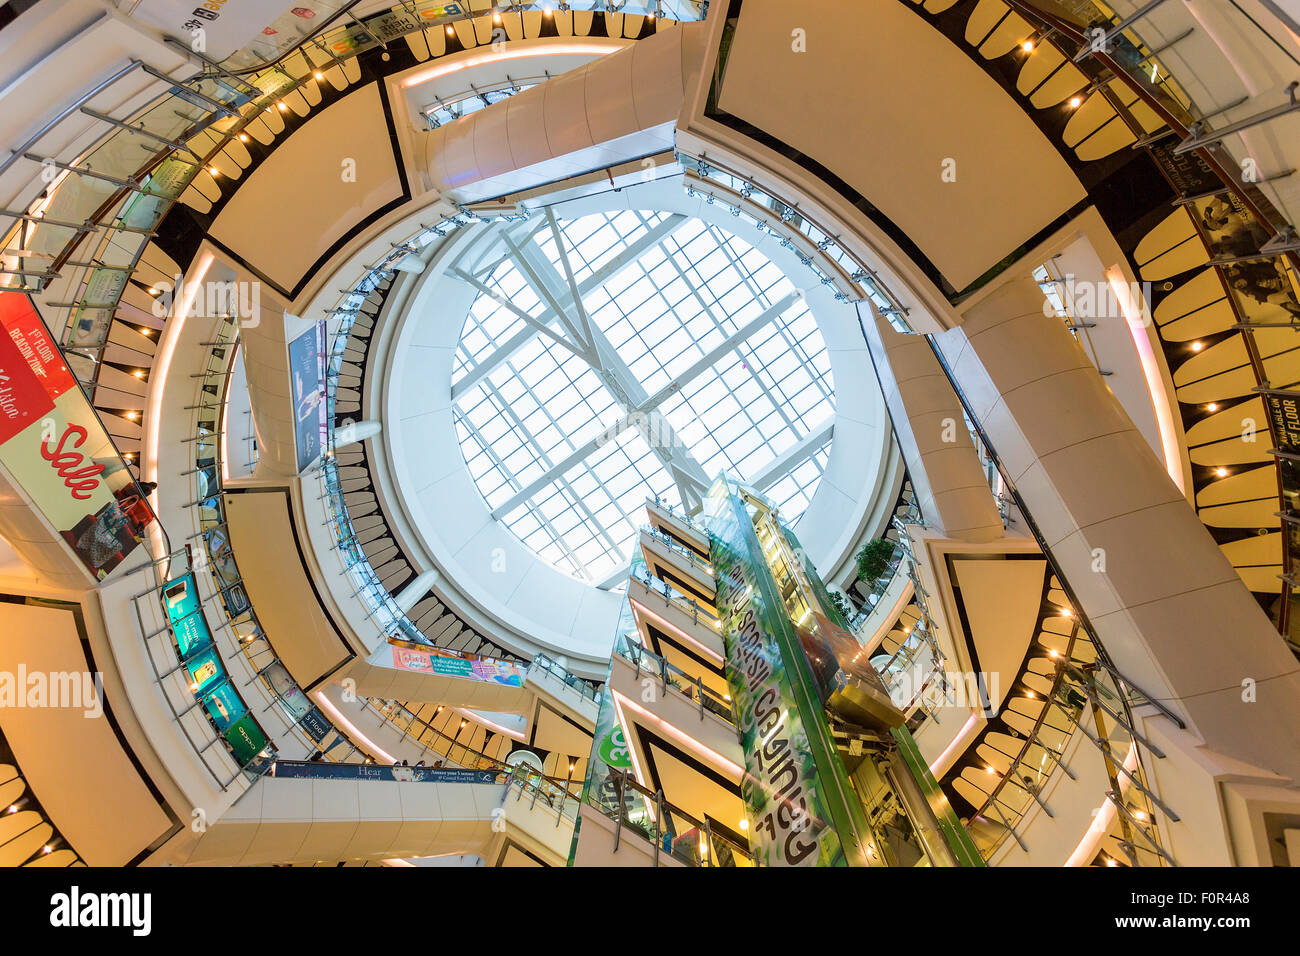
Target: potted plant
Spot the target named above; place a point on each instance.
(873, 560)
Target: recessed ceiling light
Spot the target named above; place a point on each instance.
(1076, 102)
(1027, 46)
(1221, 472)
(1197, 346)
(1212, 407)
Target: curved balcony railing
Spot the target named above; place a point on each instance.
(210, 433)
(383, 609)
(818, 249)
(583, 687)
(440, 747)
(691, 686)
(672, 833)
(698, 612)
(127, 183)
(1089, 678)
(678, 548)
(529, 784)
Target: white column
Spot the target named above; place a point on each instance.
(411, 594)
(355, 433)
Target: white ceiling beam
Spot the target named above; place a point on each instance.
(792, 457)
(605, 274)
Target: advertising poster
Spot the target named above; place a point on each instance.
(788, 813)
(307, 388)
(55, 448)
(205, 671)
(443, 662)
(353, 771)
(224, 706)
(226, 25)
(393, 24)
(245, 738)
(181, 599)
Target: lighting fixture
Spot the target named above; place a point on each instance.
(243, 137)
(1212, 407)
(1027, 46)
(744, 824)
(451, 31)
(1076, 102)
(282, 107)
(319, 75)
(1197, 346)
(1221, 472)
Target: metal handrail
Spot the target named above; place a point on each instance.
(677, 547)
(625, 783)
(708, 699)
(688, 604)
(1032, 737)
(219, 370)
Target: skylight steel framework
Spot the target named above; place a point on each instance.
(626, 355)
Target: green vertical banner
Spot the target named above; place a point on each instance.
(798, 812)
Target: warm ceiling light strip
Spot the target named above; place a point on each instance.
(457, 64)
(1087, 849)
(162, 363)
(945, 759)
(642, 611)
(1137, 327)
(350, 728)
(685, 740)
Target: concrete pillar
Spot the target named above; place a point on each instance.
(355, 433)
(1164, 601)
(951, 487)
(417, 589)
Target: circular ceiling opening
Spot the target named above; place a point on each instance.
(626, 355)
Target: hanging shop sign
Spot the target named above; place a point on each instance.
(209, 681)
(443, 662)
(353, 771)
(307, 380)
(215, 28)
(54, 446)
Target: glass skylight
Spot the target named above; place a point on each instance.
(686, 352)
